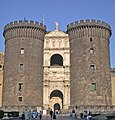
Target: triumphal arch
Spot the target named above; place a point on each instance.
(56, 83)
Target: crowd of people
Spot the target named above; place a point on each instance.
(86, 115)
(27, 115)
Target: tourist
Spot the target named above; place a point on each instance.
(54, 115)
(40, 115)
(51, 113)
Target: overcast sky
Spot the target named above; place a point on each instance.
(62, 11)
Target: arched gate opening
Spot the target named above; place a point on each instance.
(56, 100)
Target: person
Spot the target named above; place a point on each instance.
(73, 113)
(34, 114)
(89, 115)
(85, 114)
(40, 116)
(27, 115)
(51, 113)
(54, 115)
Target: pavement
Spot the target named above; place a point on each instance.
(58, 117)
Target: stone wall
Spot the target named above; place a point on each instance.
(1, 75)
(23, 69)
(90, 63)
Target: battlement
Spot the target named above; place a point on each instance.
(88, 22)
(24, 23)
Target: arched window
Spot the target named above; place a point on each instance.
(56, 60)
(56, 93)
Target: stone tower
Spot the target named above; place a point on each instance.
(90, 63)
(1, 75)
(23, 70)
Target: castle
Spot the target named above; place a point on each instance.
(56, 69)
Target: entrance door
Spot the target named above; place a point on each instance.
(56, 107)
(56, 100)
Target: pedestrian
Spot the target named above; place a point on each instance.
(40, 116)
(51, 113)
(54, 115)
(27, 115)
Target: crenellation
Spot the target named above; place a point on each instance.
(15, 22)
(76, 22)
(93, 21)
(103, 23)
(86, 23)
(11, 23)
(25, 23)
(98, 21)
(20, 21)
(31, 22)
(36, 23)
(81, 21)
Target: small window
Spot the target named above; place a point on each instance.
(22, 51)
(20, 86)
(92, 67)
(21, 67)
(20, 99)
(91, 51)
(0, 66)
(93, 87)
(90, 39)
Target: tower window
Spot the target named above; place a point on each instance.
(0, 66)
(91, 50)
(22, 51)
(93, 87)
(91, 39)
(92, 67)
(20, 86)
(21, 67)
(20, 99)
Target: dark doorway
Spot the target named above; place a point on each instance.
(56, 107)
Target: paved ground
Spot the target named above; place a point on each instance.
(58, 117)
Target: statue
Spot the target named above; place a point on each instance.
(56, 23)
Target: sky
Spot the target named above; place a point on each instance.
(62, 11)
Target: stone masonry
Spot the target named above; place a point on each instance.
(1, 75)
(23, 65)
(90, 63)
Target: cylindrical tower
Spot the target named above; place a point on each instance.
(23, 67)
(90, 63)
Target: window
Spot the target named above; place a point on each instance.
(92, 67)
(21, 67)
(91, 39)
(20, 86)
(20, 99)
(0, 66)
(56, 60)
(22, 51)
(93, 87)
(91, 50)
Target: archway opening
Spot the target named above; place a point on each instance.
(56, 100)
(56, 107)
(56, 60)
